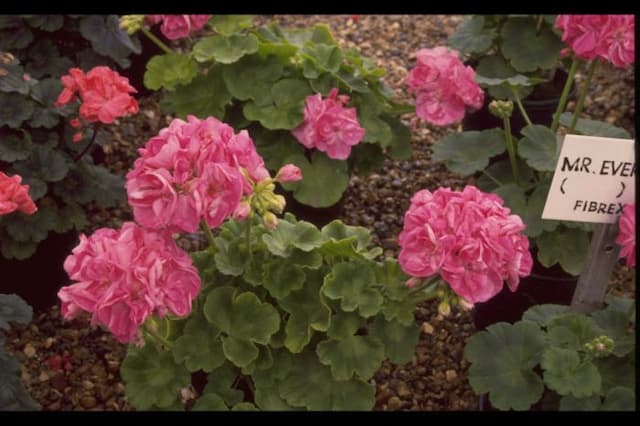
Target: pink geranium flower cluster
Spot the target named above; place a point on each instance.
(328, 126)
(126, 275)
(175, 27)
(627, 234)
(104, 94)
(14, 196)
(444, 86)
(467, 237)
(193, 170)
(607, 37)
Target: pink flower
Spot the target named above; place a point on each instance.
(175, 27)
(14, 196)
(627, 234)
(444, 86)
(607, 37)
(104, 94)
(467, 237)
(328, 126)
(191, 171)
(126, 275)
(289, 173)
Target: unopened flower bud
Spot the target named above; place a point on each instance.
(289, 173)
(269, 220)
(278, 204)
(77, 137)
(444, 309)
(467, 306)
(131, 23)
(412, 282)
(242, 211)
(501, 109)
(600, 347)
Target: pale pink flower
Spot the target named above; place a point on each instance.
(627, 234)
(175, 27)
(328, 126)
(444, 86)
(14, 196)
(468, 237)
(289, 173)
(126, 275)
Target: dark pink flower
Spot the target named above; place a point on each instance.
(289, 173)
(627, 234)
(175, 27)
(14, 196)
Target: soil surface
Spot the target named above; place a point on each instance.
(69, 365)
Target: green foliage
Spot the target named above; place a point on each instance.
(302, 325)
(550, 347)
(169, 70)
(585, 126)
(539, 147)
(472, 36)
(469, 152)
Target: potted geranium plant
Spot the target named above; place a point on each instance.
(445, 87)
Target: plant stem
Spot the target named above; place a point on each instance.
(539, 24)
(156, 40)
(207, 231)
(565, 94)
(158, 337)
(96, 127)
(511, 149)
(248, 234)
(426, 284)
(520, 106)
(496, 181)
(583, 96)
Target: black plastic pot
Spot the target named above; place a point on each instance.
(38, 279)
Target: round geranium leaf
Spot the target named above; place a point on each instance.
(252, 77)
(198, 347)
(12, 249)
(527, 48)
(169, 70)
(287, 236)
(14, 109)
(206, 95)
(472, 37)
(539, 147)
(152, 377)
(589, 403)
(360, 355)
(585, 126)
(468, 152)
(353, 284)
(281, 278)
(502, 360)
(108, 39)
(210, 402)
(13, 309)
(567, 247)
(619, 399)
(14, 147)
(229, 24)
(225, 49)
(399, 340)
(240, 352)
(221, 382)
(543, 314)
(566, 373)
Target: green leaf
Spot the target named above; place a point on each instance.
(14, 109)
(566, 374)
(198, 346)
(108, 39)
(244, 406)
(221, 382)
(16, 39)
(360, 355)
(496, 67)
(344, 324)
(543, 314)
(539, 147)
(532, 216)
(567, 247)
(324, 57)
(240, 352)
(620, 399)
(152, 378)
(376, 129)
(20, 250)
(308, 312)
(286, 111)
(230, 256)
(44, 163)
(70, 216)
(502, 360)
(281, 278)
(311, 259)
(209, 402)
(572, 331)
(229, 312)
(206, 95)
(169, 70)
(46, 22)
(527, 48)
(398, 305)
(352, 283)
(400, 146)
(472, 37)
(513, 196)
(287, 236)
(13, 147)
(324, 180)
(46, 60)
(501, 171)
(229, 24)
(336, 230)
(615, 324)
(11, 79)
(468, 152)
(33, 227)
(571, 403)
(399, 340)
(14, 309)
(616, 372)
(225, 49)
(252, 78)
(310, 384)
(594, 128)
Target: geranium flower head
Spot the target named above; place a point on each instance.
(467, 237)
(328, 126)
(627, 234)
(14, 196)
(175, 27)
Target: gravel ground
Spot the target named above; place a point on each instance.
(436, 377)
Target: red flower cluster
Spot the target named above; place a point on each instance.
(14, 196)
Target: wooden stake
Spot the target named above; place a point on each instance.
(593, 281)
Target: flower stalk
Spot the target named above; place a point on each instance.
(583, 96)
(207, 232)
(96, 127)
(156, 40)
(565, 94)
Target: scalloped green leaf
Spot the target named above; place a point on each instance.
(198, 347)
(70, 216)
(252, 78)
(324, 179)
(33, 227)
(495, 66)
(14, 147)
(324, 57)
(527, 48)
(221, 382)
(240, 352)
(565, 373)
(543, 314)
(229, 24)
(502, 360)
(501, 172)
(311, 259)
(11, 79)
(228, 311)
(532, 216)
(281, 278)
(571, 403)
(359, 355)
(588, 127)
(353, 284)
(286, 111)
(398, 305)
(46, 60)
(568, 247)
(206, 95)
(14, 109)
(275, 146)
(46, 22)
(210, 402)
(572, 331)
(44, 163)
(225, 49)
(616, 372)
(344, 324)
(399, 340)
(539, 147)
(18, 38)
(471, 36)
(400, 145)
(336, 230)
(230, 257)
(287, 236)
(244, 406)
(169, 70)
(513, 196)
(615, 325)
(20, 250)
(620, 399)
(310, 384)
(152, 378)
(108, 39)
(468, 152)
(14, 309)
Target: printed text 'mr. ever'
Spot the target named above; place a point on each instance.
(606, 167)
